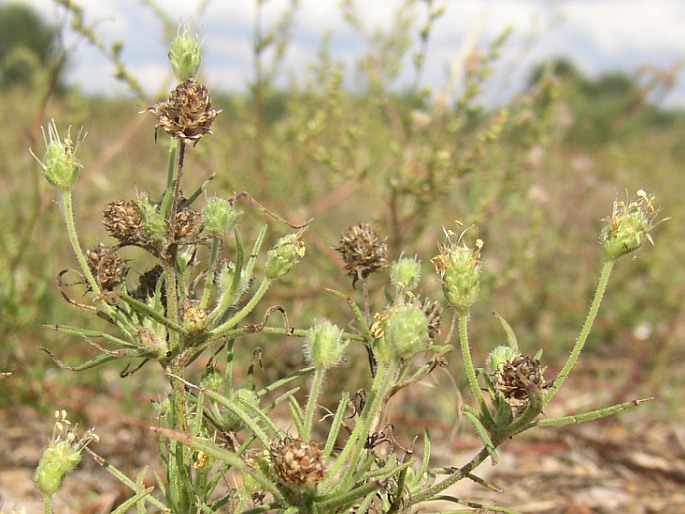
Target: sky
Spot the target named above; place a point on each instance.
(597, 35)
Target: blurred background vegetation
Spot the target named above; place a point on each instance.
(533, 177)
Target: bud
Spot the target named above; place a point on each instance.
(185, 55)
(153, 222)
(628, 226)
(60, 163)
(287, 252)
(405, 273)
(62, 455)
(194, 317)
(219, 216)
(405, 332)
(323, 346)
(500, 355)
(459, 270)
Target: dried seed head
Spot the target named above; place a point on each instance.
(297, 462)
(514, 379)
(188, 224)
(363, 251)
(187, 114)
(123, 221)
(106, 266)
(147, 284)
(433, 313)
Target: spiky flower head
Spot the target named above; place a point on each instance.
(628, 226)
(459, 269)
(187, 115)
(185, 55)
(287, 252)
(405, 273)
(60, 163)
(298, 463)
(363, 251)
(323, 345)
(62, 455)
(516, 378)
(219, 216)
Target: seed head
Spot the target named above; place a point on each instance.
(187, 115)
(123, 221)
(106, 266)
(433, 312)
(188, 224)
(628, 226)
(297, 462)
(62, 455)
(194, 317)
(514, 379)
(363, 251)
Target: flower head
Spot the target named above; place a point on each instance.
(628, 226)
(62, 455)
(363, 251)
(287, 252)
(60, 163)
(324, 347)
(459, 269)
(187, 115)
(185, 55)
(298, 463)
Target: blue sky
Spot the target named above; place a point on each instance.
(598, 35)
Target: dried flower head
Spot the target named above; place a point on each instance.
(123, 221)
(297, 462)
(106, 266)
(188, 224)
(363, 251)
(433, 313)
(187, 115)
(62, 455)
(515, 378)
(147, 284)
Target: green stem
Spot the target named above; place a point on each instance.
(458, 475)
(211, 268)
(68, 206)
(311, 402)
(249, 306)
(47, 504)
(356, 442)
(585, 331)
(468, 361)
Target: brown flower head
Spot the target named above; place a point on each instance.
(188, 224)
(298, 462)
(147, 284)
(433, 312)
(363, 251)
(515, 377)
(123, 221)
(106, 266)
(187, 114)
